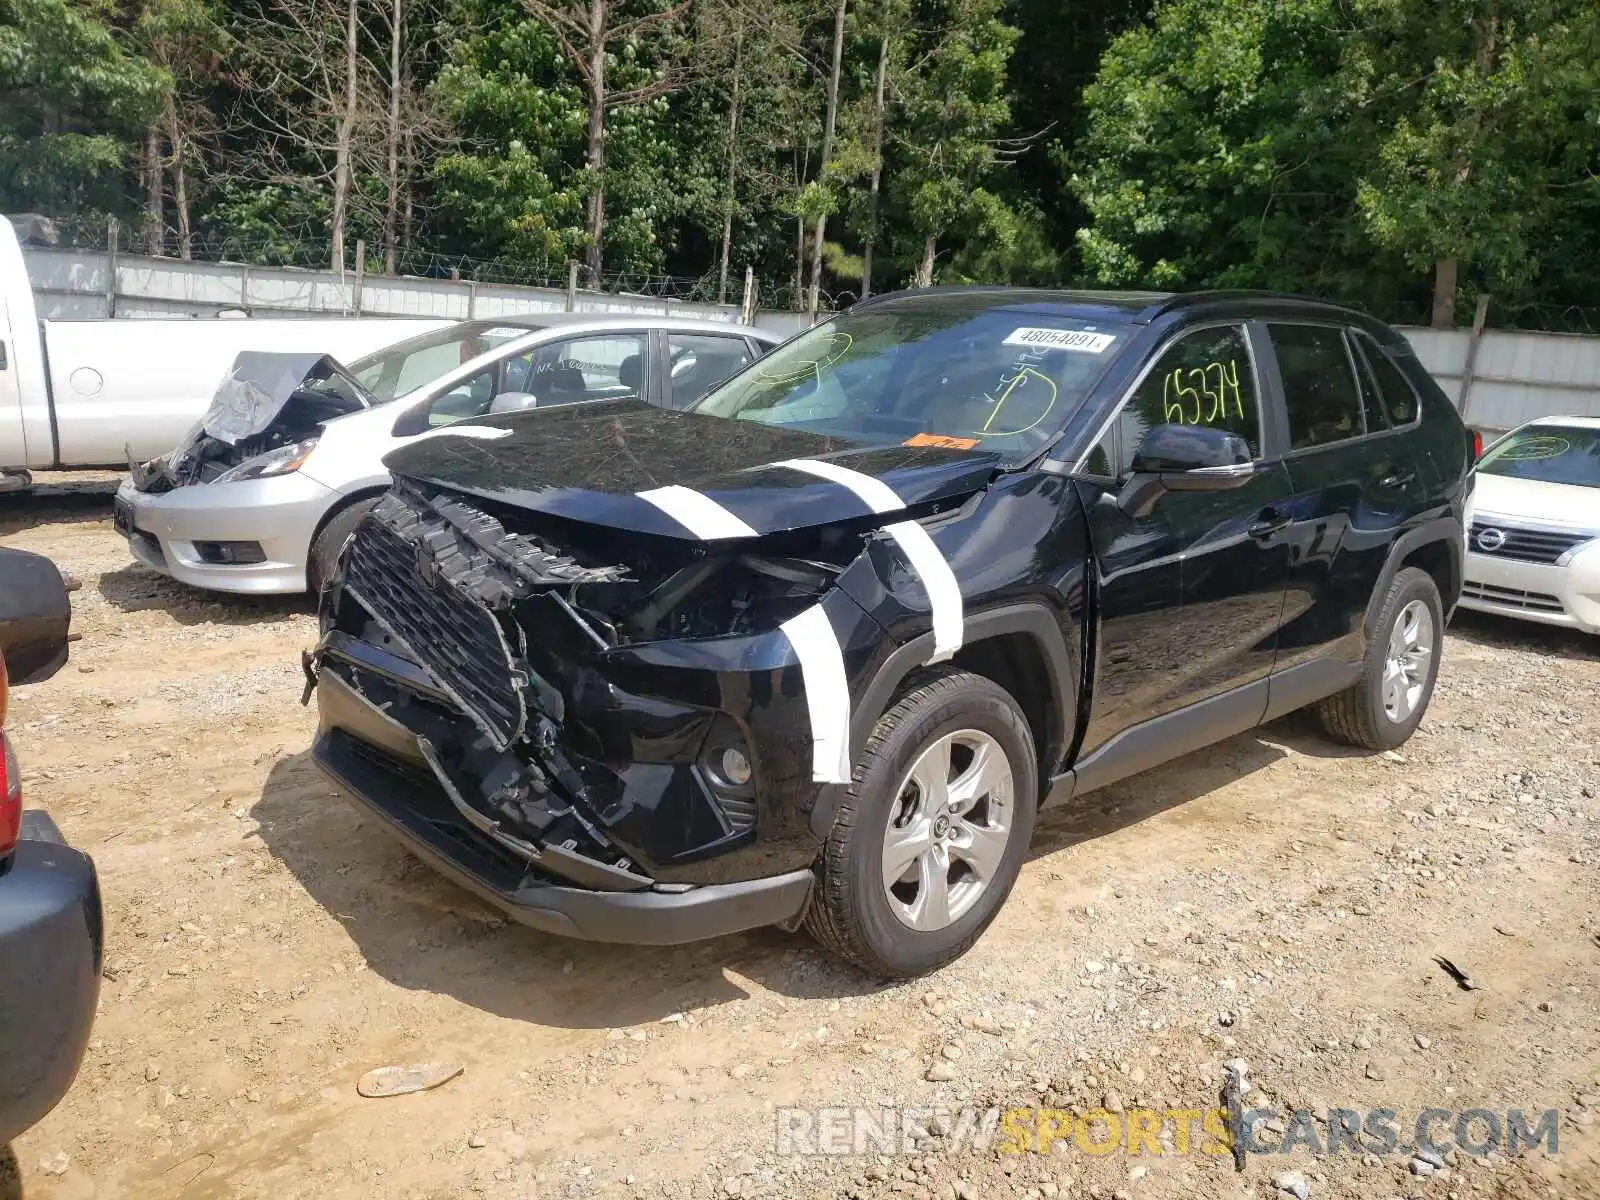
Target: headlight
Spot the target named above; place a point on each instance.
(1566, 559)
(281, 461)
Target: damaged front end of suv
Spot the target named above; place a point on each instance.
(586, 705)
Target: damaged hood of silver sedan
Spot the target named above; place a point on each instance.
(637, 469)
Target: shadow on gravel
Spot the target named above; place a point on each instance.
(420, 931)
(1100, 813)
(135, 588)
(10, 1175)
(69, 504)
(1508, 633)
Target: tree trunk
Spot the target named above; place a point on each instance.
(153, 176)
(595, 151)
(408, 214)
(733, 165)
(342, 151)
(1444, 293)
(799, 264)
(877, 167)
(930, 250)
(830, 121)
(179, 142)
(391, 206)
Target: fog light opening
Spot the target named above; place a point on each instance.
(735, 766)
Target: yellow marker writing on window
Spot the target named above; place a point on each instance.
(1201, 395)
(1013, 386)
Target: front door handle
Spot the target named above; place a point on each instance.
(1271, 521)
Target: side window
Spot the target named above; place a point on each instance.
(1399, 397)
(1204, 378)
(697, 361)
(599, 367)
(602, 367)
(1319, 387)
(1371, 398)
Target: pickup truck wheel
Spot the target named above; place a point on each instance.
(930, 837)
(1386, 706)
(328, 547)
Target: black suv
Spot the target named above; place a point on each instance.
(818, 649)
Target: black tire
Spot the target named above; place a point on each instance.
(1357, 715)
(850, 912)
(329, 544)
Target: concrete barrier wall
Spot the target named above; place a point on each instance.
(78, 285)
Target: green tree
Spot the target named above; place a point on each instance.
(949, 123)
(1222, 151)
(1493, 135)
(75, 100)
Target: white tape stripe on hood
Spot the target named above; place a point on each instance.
(827, 693)
(944, 593)
(699, 514)
(874, 493)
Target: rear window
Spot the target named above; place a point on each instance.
(1549, 453)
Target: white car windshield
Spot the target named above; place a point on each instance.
(961, 376)
(1550, 453)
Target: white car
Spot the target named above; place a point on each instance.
(263, 496)
(1533, 538)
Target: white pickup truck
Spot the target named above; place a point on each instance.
(92, 393)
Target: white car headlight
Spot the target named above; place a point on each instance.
(1566, 559)
(282, 461)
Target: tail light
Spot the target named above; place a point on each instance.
(10, 797)
(1477, 445)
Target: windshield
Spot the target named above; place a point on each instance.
(418, 361)
(1551, 453)
(961, 376)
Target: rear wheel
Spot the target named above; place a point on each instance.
(1384, 708)
(328, 547)
(931, 835)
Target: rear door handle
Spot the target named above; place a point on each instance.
(1269, 522)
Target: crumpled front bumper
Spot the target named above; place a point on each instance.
(381, 765)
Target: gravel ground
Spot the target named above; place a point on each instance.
(1276, 901)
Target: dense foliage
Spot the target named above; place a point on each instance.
(1403, 155)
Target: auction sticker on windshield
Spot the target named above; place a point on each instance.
(1061, 339)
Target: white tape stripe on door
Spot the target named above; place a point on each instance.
(827, 693)
(699, 514)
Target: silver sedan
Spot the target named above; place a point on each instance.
(277, 521)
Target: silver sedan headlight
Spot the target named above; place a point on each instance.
(282, 461)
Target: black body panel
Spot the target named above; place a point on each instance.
(587, 462)
(548, 739)
(35, 614)
(51, 942)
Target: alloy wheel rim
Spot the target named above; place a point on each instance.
(1406, 665)
(949, 826)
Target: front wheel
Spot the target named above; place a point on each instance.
(1385, 707)
(932, 832)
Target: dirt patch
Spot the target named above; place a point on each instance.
(1276, 899)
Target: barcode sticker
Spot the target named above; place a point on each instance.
(1061, 339)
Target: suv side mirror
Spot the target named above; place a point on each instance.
(1194, 458)
(35, 615)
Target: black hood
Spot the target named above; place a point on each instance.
(588, 462)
